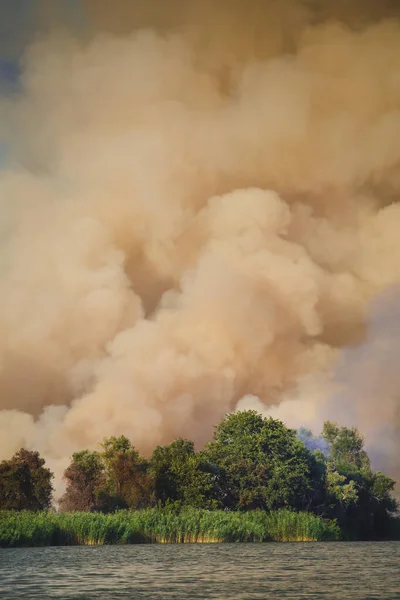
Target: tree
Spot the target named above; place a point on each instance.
(182, 476)
(128, 483)
(357, 497)
(84, 476)
(25, 483)
(346, 446)
(261, 463)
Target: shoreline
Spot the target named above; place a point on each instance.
(158, 526)
(163, 526)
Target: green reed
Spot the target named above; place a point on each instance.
(161, 526)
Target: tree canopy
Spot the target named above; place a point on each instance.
(182, 476)
(252, 462)
(116, 477)
(359, 498)
(84, 477)
(260, 463)
(25, 483)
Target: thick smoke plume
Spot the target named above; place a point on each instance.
(200, 206)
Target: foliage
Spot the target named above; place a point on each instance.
(253, 464)
(115, 478)
(346, 446)
(182, 476)
(161, 526)
(84, 476)
(25, 483)
(357, 497)
(128, 483)
(260, 463)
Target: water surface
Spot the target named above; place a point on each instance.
(337, 571)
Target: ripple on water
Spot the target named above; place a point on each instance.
(332, 571)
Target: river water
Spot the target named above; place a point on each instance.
(338, 571)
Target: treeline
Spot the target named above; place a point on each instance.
(252, 463)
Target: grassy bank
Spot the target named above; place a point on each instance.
(157, 526)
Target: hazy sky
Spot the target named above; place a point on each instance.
(190, 219)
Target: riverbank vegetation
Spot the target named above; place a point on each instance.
(153, 525)
(256, 481)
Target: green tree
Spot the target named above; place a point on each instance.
(346, 446)
(25, 483)
(128, 483)
(182, 476)
(260, 463)
(360, 499)
(85, 476)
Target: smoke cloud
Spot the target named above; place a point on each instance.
(200, 206)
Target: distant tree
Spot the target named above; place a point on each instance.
(360, 499)
(261, 463)
(346, 446)
(85, 476)
(128, 483)
(182, 476)
(25, 483)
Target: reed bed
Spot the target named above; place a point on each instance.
(161, 526)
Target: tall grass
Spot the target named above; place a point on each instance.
(158, 526)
